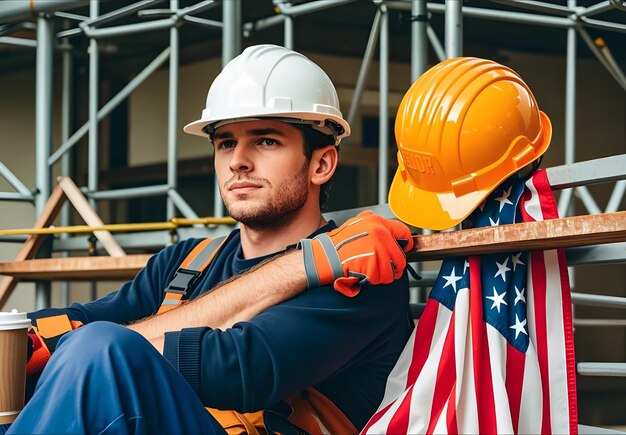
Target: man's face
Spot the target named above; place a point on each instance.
(262, 171)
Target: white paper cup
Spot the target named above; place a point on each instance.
(13, 349)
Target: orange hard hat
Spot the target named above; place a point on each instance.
(462, 128)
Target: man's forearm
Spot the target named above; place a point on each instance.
(236, 300)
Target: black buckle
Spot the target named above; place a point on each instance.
(182, 281)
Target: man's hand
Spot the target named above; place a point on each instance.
(366, 249)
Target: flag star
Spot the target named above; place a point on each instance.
(492, 223)
(519, 295)
(519, 326)
(504, 199)
(465, 266)
(497, 299)
(502, 269)
(482, 205)
(516, 260)
(452, 279)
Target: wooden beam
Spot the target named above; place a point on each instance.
(529, 236)
(557, 233)
(33, 243)
(76, 268)
(90, 217)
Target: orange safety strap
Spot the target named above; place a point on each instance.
(192, 266)
(237, 423)
(316, 414)
(311, 413)
(51, 329)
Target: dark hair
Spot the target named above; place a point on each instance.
(314, 139)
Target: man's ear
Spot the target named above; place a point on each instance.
(323, 164)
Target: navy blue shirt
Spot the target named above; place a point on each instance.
(344, 347)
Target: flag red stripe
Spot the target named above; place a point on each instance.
(568, 331)
(446, 377)
(421, 348)
(515, 362)
(378, 416)
(538, 276)
(399, 422)
(550, 210)
(480, 355)
(451, 413)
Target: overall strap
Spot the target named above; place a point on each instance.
(192, 266)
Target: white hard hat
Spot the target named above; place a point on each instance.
(269, 81)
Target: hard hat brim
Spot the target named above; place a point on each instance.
(197, 127)
(430, 210)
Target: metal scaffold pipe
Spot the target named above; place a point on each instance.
(172, 114)
(383, 147)
(19, 10)
(473, 12)
(93, 160)
(454, 29)
(365, 66)
(43, 129)
(287, 9)
(419, 38)
(231, 47)
(570, 113)
(14, 181)
(22, 42)
(112, 104)
(120, 228)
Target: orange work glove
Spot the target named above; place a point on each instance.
(365, 249)
(38, 355)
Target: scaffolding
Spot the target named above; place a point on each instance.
(574, 20)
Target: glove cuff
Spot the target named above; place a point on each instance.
(321, 261)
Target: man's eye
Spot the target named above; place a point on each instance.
(226, 145)
(268, 142)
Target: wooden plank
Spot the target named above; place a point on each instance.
(557, 233)
(550, 234)
(33, 243)
(76, 268)
(90, 217)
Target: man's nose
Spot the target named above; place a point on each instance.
(240, 160)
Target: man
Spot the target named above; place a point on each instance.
(257, 350)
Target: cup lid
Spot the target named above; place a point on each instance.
(13, 320)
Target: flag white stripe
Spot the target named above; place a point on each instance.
(531, 407)
(532, 395)
(533, 206)
(396, 382)
(424, 388)
(557, 364)
(467, 407)
(381, 426)
(497, 359)
(441, 427)
(467, 411)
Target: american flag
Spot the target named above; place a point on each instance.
(493, 351)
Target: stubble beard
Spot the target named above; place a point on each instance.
(281, 207)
